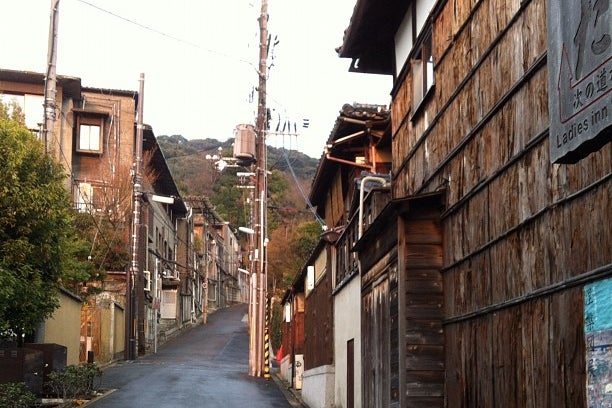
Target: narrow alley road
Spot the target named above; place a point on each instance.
(204, 367)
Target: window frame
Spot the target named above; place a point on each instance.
(90, 121)
(422, 62)
(84, 197)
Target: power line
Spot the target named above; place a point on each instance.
(299, 186)
(165, 34)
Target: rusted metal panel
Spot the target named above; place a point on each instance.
(318, 325)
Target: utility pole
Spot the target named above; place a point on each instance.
(133, 287)
(50, 79)
(256, 360)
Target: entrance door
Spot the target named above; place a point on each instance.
(350, 373)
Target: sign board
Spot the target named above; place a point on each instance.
(299, 371)
(579, 77)
(598, 342)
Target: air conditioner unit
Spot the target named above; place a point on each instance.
(147, 281)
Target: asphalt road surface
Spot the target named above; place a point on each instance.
(205, 367)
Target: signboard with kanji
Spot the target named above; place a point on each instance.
(579, 77)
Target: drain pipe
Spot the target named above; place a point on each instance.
(361, 198)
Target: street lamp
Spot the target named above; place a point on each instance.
(162, 199)
(249, 231)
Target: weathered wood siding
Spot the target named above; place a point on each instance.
(293, 334)
(375, 359)
(526, 356)
(319, 322)
(379, 322)
(521, 234)
(422, 357)
(334, 205)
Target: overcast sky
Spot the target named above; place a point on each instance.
(200, 58)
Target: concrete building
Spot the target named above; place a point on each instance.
(94, 140)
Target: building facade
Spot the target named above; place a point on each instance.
(94, 140)
(502, 276)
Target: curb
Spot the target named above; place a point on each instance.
(292, 397)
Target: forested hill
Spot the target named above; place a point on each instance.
(195, 152)
(196, 175)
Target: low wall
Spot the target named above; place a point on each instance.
(318, 387)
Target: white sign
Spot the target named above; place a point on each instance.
(299, 371)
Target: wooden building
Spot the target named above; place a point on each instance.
(358, 149)
(292, 332)
(504, 245)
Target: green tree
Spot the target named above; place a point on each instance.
(12, 110)
(81, 259)
(35, 221)
(229, 200)
(288, 250)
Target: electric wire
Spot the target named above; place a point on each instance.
(299, 186)
(169, 36)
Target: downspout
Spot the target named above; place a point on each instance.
(361, 198)
(156, 304)
(191, 258)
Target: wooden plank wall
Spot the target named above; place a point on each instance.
(293, 334)
(318, 324)
(515, 225)
(375, 356)
(525, 356)
(423, 305)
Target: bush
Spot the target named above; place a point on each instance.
(74, 381)
(17, 395)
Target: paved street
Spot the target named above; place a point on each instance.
(204, 367)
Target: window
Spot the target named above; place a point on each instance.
(89, 137)
(84, 197)
(31, 107)
(422, 68)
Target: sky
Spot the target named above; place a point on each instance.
(199, 58)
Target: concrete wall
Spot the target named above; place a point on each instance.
(286, 369)
(112, 340)
(64, 327)
(347, 326)
(318, 387)
(119, 332)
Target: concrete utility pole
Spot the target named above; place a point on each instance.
(256, 360)
(50, 79)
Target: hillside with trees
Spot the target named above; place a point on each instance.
(292, 228)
